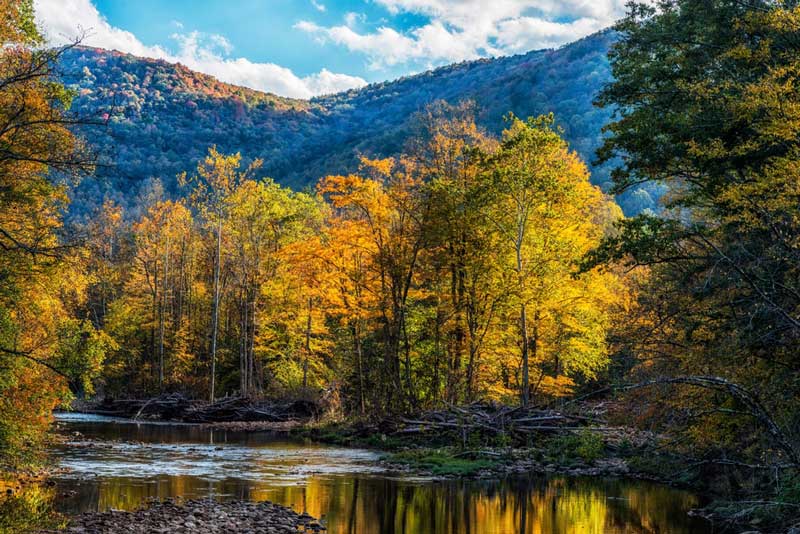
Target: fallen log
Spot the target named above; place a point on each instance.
(492, 420)
(176, 407)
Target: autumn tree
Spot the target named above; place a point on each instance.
(217, 177)
(164, 247)
(339, 260)
(447, 153)
(546, 214)
(432, 252)
(40, 276)
(108, 256)
(706, 102)
(265, 220)
(389, 208)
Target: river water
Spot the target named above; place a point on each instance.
(120, 464)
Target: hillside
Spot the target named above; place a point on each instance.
(162, 117)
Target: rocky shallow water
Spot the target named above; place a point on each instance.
(195, 516)
(111, 464)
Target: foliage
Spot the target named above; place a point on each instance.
(585, 445)
(29, 510)
(707, 103)
(548, 216)
(392, 288)
(44, 350)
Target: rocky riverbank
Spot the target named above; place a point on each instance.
(198, 516)
(485, 440)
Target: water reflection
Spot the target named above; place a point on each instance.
(344, 487)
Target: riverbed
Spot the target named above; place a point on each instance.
(120, 464)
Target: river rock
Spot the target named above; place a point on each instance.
(196, 516)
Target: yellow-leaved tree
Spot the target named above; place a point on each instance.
(548, 216)
(386, 208)
(44, 349)
(274, 293)
(218, 175)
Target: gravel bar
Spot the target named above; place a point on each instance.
(198, 516)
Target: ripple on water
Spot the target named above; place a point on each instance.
(212, 462)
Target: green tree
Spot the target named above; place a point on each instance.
(706, 102)
(265, 219)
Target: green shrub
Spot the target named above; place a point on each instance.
(440, 462)
(29, 510)
(585, 445)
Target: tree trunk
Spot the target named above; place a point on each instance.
(360, 364)
(255, 380)
(523, 326)
(523, 323)
(308, 344)
(244, 328)
(215, 308)
(161, 321)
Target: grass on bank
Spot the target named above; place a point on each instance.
(443, 462)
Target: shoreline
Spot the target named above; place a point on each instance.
(206, 515)
(416, 457)
(236, 426)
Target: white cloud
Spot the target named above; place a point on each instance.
(468, 29)
(63, 20)
(351, 18)
(526, 33)
(326, 82)
(318, 6)
(394, 47)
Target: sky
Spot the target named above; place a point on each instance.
(304, 48)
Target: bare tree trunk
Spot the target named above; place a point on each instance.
(437, 349)
(161, 321)
(360, 365)
(523, 327)
(308, 344)
(215, 307)
(244, 328)
(457, 335)
(533, 349)
(473, 352)
(154, 313)
(407, 351)
(255, 382)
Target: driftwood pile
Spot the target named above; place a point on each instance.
(495, 420)
(167, 407)
(246, 410)
(176, 407)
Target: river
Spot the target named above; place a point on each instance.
(120, 464)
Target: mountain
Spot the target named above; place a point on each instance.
(161, 117)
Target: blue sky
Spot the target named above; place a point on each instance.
(301, 48)
(261, 30)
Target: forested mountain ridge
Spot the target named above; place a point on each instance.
(161, 117)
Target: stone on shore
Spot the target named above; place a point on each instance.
(197, 516)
